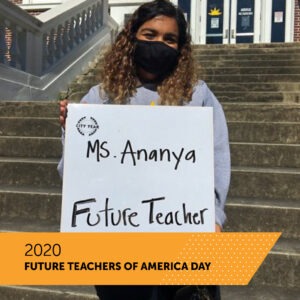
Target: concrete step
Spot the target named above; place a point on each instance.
(281, 266)
(19, 224)
(259, 97)
(253, 292)
(240, 77)
(90, 79)
(38, 147)
(262, 112)
(243, 154)
(21, 208)
(243, 55)
(250, 292)
(256, 132)
(219, 67)
(269, 183)
(45, 109)
(48, 293)
(30, 204)
(250, 48)
(41, 173)
(76, 96)
(265, 183)
(87, 81)
(235, 111)
(259, 215)
(219, 87)
(249, 51)
(245, 45)
(264, 47)
(255, 87)
(247, 63)
(82, 86)
(264, 132)
(251, 88)
(226, 94)
(38, 127)
(254, 70)
(265, 155)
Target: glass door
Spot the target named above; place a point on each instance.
(229, 21)
(278, 21)
(215, 21)
(242, 21)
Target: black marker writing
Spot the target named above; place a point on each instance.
(98, 149)
(161, 154)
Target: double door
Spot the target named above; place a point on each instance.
(240, 21)
(230, 21)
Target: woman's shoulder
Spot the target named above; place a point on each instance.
(202, 87)
(202, 95)
(95, 95)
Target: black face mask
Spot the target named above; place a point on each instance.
(155, 57)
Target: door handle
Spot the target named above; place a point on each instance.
(232, 34)
(226, 34)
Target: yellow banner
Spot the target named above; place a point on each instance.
(132, 258)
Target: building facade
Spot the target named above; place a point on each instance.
(217, 21)
(231, 21)
(241, 21)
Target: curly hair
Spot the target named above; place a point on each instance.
(119, 78)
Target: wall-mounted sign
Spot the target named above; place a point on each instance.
(214, 23)
(245, 11)
(278, 17)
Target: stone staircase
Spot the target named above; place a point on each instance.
(259, 88)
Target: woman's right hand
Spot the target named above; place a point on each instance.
(63, 112)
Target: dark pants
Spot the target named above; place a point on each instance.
(124, 292)
(147, 292)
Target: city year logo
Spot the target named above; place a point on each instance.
(87, 126)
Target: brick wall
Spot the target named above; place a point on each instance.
(16, 1)
(297, 22)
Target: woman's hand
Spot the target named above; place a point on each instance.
(218, 228)
(63, 112)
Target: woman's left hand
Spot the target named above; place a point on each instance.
(63, 112)
(218, 228)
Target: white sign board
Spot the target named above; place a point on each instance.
(138, 169)
(278, 17)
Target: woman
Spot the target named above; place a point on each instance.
(151, 63)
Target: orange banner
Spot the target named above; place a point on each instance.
(132, 258)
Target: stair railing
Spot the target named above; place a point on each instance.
(37, 44)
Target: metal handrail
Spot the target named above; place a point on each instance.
(36, 44)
